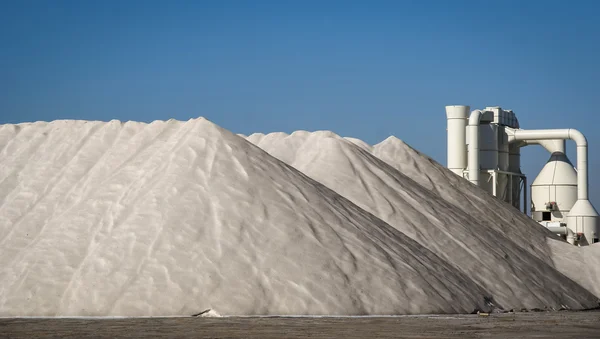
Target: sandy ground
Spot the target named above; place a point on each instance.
(519, 325)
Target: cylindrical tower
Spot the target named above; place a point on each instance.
(583, 219)
(488, 153)
(457, 149)
(554, 190)
(503, 162)
(514, 183)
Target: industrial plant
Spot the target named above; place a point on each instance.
(484, 147)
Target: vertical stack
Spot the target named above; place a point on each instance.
(479, 149)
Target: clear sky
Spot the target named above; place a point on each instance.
(366, 69)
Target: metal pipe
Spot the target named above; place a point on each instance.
(550, 134)
(552, 146)
(563, 230)
(473, 163)
(507, 173)
(524, 194)
(510, 189)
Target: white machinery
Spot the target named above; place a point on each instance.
(484, 146)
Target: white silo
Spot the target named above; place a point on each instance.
(457, 116)
(488, 154)
(583, 219)
(493, 164)
(554, 190)
(514, 184)
(504, 164)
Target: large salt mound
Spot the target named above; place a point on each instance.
(501, 249)
(171, 218)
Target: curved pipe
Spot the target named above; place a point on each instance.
(563, 230)
(473, 161)
(550, 134)
(552, 146)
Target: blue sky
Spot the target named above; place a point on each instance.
(366, 69)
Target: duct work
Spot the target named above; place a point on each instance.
(484, 147)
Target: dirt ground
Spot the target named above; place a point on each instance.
(517, 325)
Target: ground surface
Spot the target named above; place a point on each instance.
(538, 325)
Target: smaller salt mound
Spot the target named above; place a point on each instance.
(479, 241)
(490, 212)
(582, 264)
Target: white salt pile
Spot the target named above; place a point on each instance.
(172, 218)
(491, 242)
